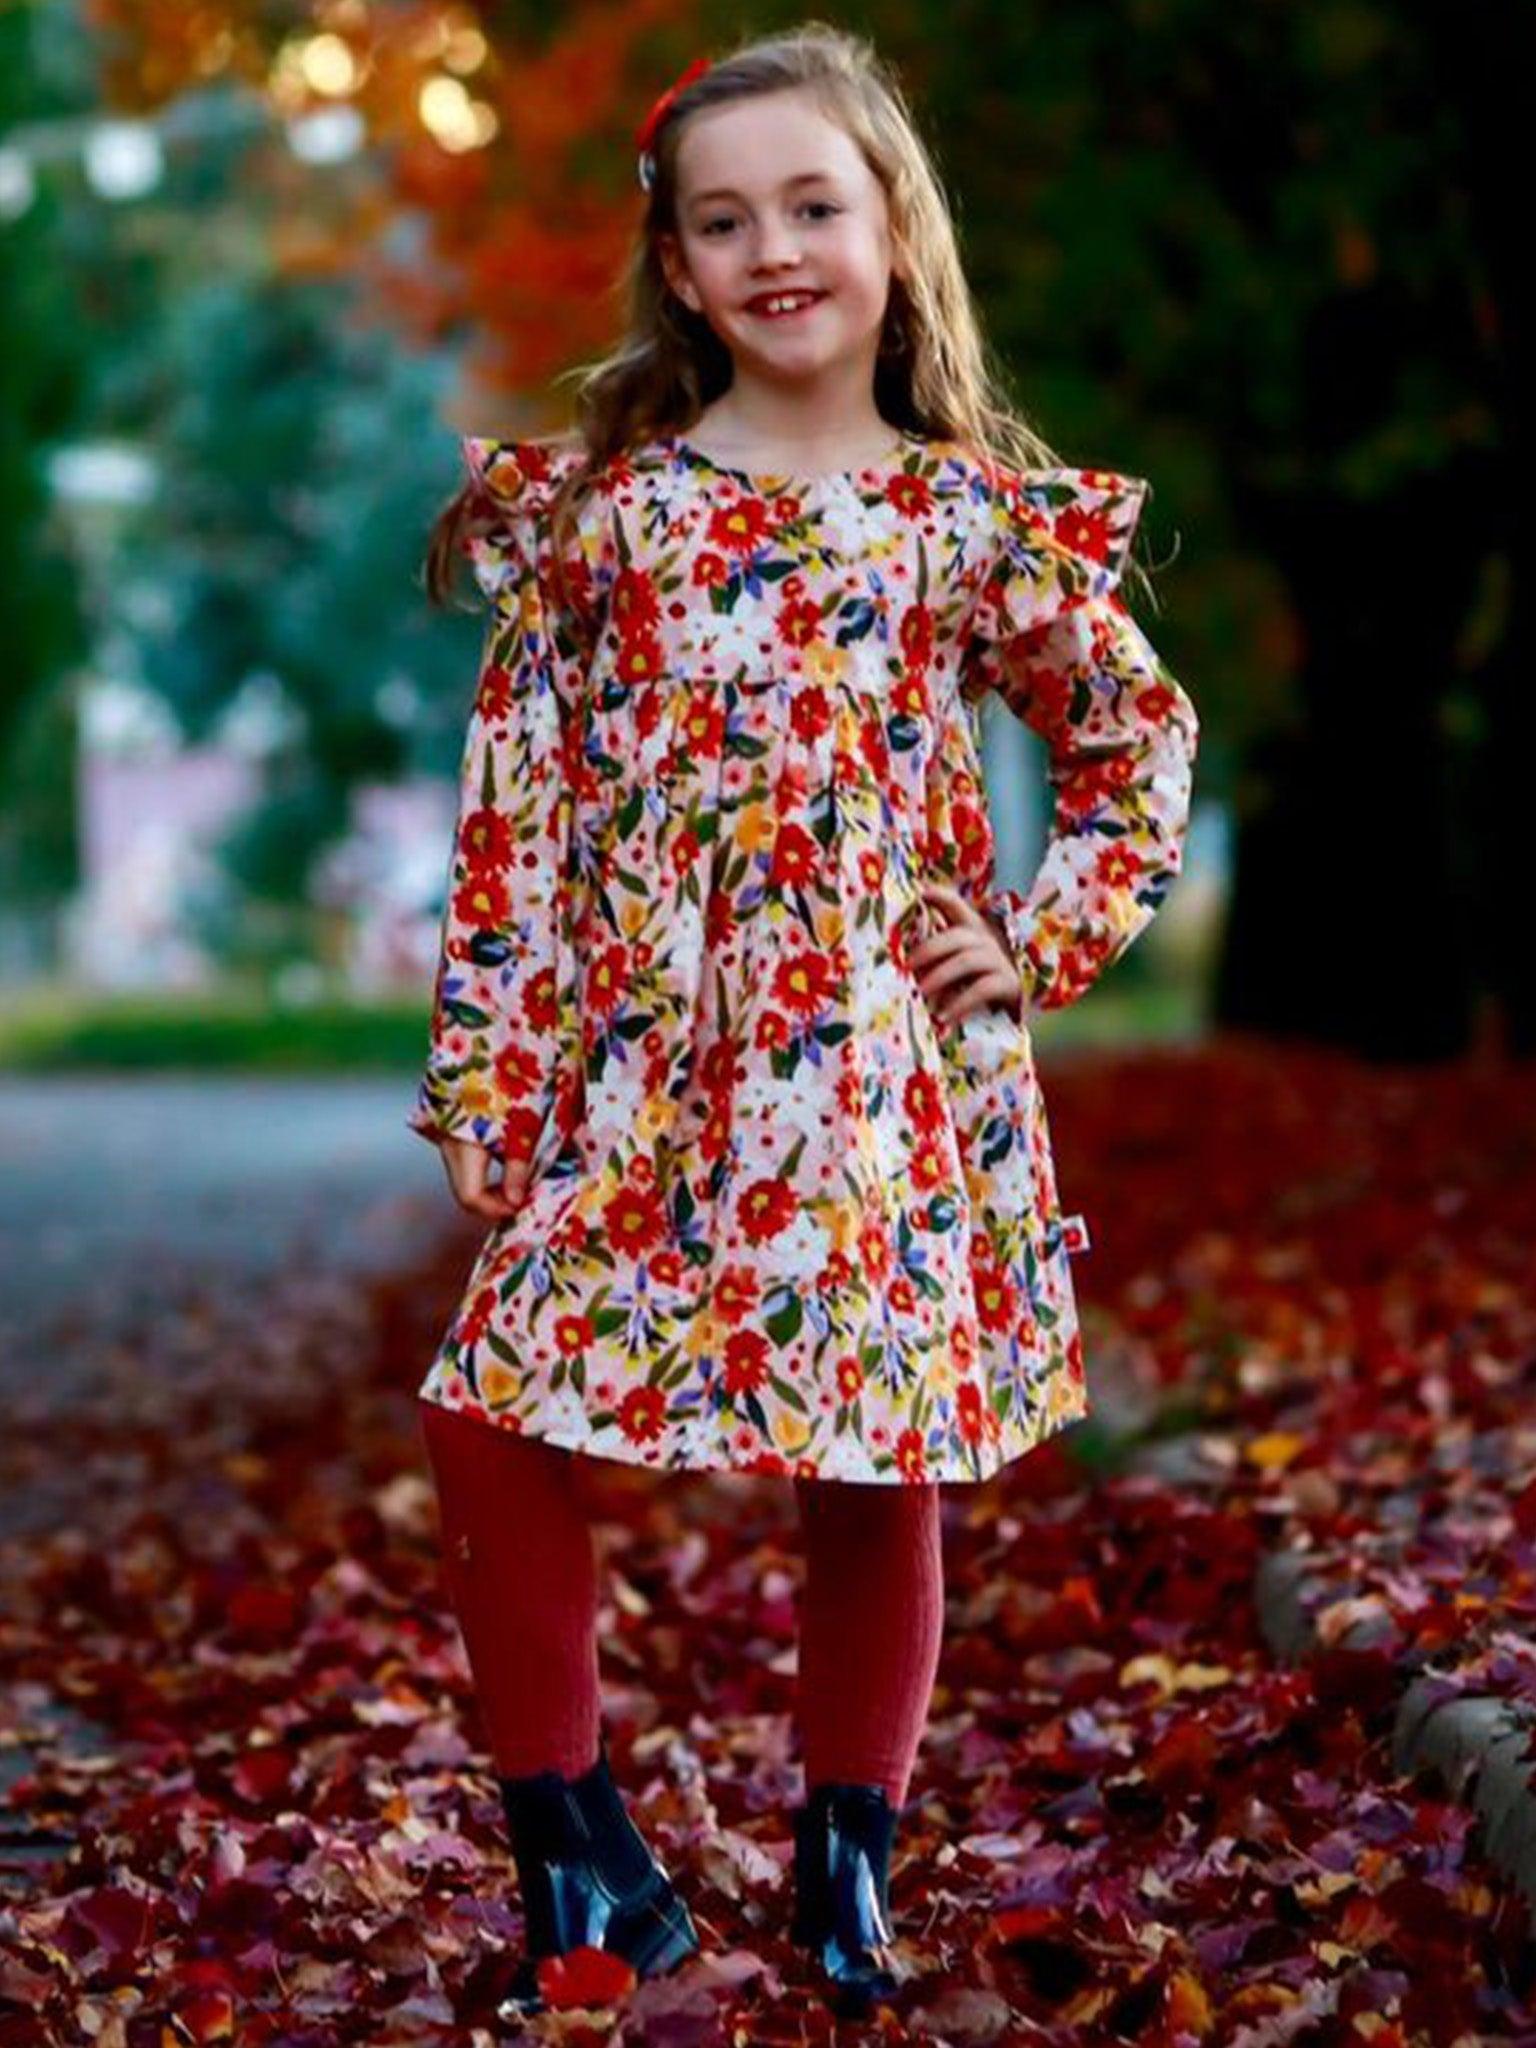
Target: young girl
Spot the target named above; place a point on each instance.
(728, 992)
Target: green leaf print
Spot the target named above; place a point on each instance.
(783, 1321)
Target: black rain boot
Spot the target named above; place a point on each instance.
(588, 1879)
(843, 1836)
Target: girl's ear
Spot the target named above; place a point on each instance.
(675, 272)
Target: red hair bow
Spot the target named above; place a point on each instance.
(645, 134)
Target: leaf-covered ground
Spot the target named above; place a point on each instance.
(1127, 1824)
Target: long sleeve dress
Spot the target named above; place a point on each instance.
(779, 1219)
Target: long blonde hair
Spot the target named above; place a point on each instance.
(934, 376)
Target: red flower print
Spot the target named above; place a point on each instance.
(768, 1206)
(486, 838)
(517, 1068)
(911, 495)
(794, 857)
(910, 1459)
(850, 1379)
(917, 636)
(971, 838)
(810, 712)
(639, 659)
(520, 1133)
(720, 920)
(539, 1000)
(1118, 866)
(850, 1089)
(923, 1098)
(474, 1324)
(573, 1335)
(835, 1274)
(736, 1293)
(740, 528)
(772, 1031)
(703, 726)
(1084, 532)
(996, 1295)
(902, 1298)
(685, 851)
(799, 624)
(634, 607)
(771, 1462)
(872, 745)
(642, 1412)
(635, 1219)
(608, 980)
(804, 983)
(968, 1412)
(909, 696)
(721, 1066)
(481, 901)
(932, 1163)
(1154, 703)
(745, 1365)
(709, 569)
(875, 1250)
(667, 1267)
(493, 699)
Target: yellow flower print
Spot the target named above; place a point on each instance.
(705, 1335)
(477, 1096)
(497, 1383)
(824, 664)
(791, 1431)
(756, 828)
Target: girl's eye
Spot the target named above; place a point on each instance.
(723, 220)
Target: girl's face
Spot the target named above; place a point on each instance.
(784, 241)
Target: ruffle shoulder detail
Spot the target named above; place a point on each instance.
(514, 484)
(1063, 536)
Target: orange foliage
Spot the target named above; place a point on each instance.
(527, 231)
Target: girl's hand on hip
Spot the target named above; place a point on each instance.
(468, 1167)
(969, 964)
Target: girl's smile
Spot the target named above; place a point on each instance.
(784, 305)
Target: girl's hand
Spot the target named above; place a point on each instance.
(468, 1168)
(971, 951)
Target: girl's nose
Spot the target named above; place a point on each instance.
(776, 247)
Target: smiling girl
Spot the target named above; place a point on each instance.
(730, 1041)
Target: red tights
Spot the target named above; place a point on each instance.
(520, 1567)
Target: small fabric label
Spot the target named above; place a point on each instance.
(1074, 1234)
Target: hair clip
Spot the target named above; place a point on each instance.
(645, 134)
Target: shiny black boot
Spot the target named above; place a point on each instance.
(588, 1879)
(843, 1836)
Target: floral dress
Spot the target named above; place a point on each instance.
(779, 1219)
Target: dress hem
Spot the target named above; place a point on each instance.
(620, 1450)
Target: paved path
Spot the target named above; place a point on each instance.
(113, 1185)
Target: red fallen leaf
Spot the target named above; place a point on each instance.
(21, 1986)
(261, 1774)
(585, 1976)
(1186, 2008)
(117, 1919)
(203, 1974)
(207, 2016)
(1183, 1754)
(1073, 1616)
(1026, 1923)
(263, 1611)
